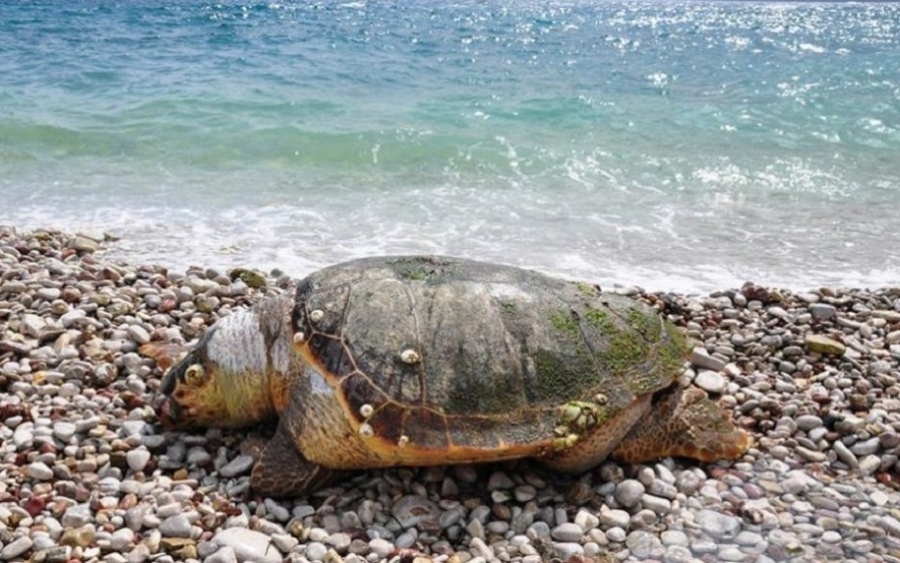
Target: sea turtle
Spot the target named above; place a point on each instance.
(430, 360)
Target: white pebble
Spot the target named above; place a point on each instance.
(39, 471)
(381, 547)
(177, 526)
(16, 548)
(63, 431)
(615, 518)
(869, 465)
(315, 551)
(710, 381)
(586, 519)
(718, 525)
(616, 534)
(248, 545)
(137, 459)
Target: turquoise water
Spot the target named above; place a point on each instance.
(673, 145)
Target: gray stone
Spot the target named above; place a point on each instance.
(701, 546)
(177, 526)
(674, 537)
(248, 545)
(644, 545)
(315, 551)
(278, 512)
(524, 493)
(121, 539)
(811, 455)
(499, 480)
(63, 431)
(168, 510)
(657, 505)
(797, 482)
(844, 454)
(663, 489)
(701, 359)
(866, 447)
(710, 381)
(381, 547)
(731, 553)
(39, 471)
(81, 243)
(629, 492)
(32, 325)
(198, 457)
(688, 482)
(224, 554)
(567, 532)
(677, 554)
(890, 525)
(77, 516)
(616, 534)
(411, 510)
(749, 538)
(481, 549)
(822, 311)
(869, 465)
(807, 422)
(237, 466)
(49, 293)
(340, 541)
(568, 550)
(615, 518)
(586, 519)
(16, 548)
(717, 525)
(137, 334)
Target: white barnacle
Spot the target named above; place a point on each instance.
(316, 315)
(366, 430)
(409, 356)
(366, 410)
(570, 413)
(601, 399)
(299, 338)
(404, 439)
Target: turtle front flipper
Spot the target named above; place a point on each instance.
(683, 423)
(282, 471)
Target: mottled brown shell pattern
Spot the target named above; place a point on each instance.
(441, 354)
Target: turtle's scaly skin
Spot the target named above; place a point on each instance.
(433, 360)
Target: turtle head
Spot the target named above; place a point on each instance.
(223, 381)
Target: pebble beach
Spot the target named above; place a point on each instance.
(88, 474)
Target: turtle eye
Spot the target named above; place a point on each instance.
(194, 375)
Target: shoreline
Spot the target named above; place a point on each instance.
(87, 473)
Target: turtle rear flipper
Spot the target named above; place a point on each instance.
(683, 423)
(282, 471)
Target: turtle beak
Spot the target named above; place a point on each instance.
(169, 413)
(167, 408)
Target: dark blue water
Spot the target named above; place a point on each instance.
(672, 145)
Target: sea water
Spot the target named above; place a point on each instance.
(685, 146)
